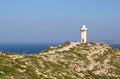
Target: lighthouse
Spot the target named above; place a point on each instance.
(83, 34)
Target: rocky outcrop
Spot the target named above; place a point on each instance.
(71, 60)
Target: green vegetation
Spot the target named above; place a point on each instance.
(63, 45)
(48, 49)
(83, 61)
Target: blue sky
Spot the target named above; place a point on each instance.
(36, 21)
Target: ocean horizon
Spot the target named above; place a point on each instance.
(25, 48)
(32, 48)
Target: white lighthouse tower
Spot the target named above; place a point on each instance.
(83, 34)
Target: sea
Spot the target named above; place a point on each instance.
(29, 48)
(32, 48)
(115, 46)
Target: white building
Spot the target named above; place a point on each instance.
(83, 34)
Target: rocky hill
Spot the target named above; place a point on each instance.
(71, 60)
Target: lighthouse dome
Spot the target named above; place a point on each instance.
(83, 26)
